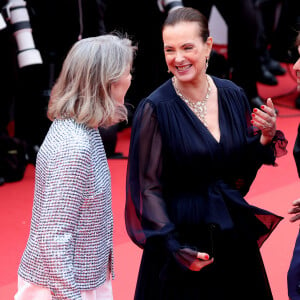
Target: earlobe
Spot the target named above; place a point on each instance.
(209, 42)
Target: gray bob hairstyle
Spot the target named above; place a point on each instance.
(82, 90)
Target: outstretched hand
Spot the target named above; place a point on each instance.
(295, 210)
(265, 120)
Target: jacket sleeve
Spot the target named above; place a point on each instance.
(63, 195)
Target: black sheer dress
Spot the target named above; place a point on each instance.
(185, 189)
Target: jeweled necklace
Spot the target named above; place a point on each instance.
(198, 107)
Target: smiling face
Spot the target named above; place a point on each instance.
(185, 51)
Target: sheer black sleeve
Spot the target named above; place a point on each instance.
(145, 212)
(258, 154)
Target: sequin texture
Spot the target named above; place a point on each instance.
(70, 243)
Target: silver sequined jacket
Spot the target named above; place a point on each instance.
(70, 242)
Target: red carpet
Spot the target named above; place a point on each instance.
(274, 189)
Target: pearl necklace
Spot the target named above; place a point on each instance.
(198, 107)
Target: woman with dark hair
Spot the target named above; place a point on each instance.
(195, 150)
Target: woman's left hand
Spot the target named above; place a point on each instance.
(295, 210)
(265, 120)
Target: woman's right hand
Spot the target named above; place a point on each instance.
(193, 260)
(265, 120)
(295, 210)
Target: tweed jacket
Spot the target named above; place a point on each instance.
(69, 248)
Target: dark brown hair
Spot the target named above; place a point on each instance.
(188, 14)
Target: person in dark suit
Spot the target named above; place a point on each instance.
(293, 276)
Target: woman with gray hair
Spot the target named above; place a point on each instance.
(69, 253)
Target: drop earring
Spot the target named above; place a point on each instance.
(206, 63)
